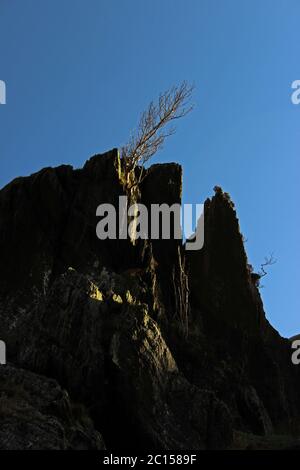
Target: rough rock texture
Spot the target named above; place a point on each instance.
(109, 353)
(36, 414)
(166, 349)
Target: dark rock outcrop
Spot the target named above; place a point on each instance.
(165, 348)
(252, 368)
(36, 414)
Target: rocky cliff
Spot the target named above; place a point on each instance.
(120, 345)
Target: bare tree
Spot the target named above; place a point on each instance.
(256, 277)
(269, 261)
(153, 127)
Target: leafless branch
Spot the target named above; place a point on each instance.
(269, 261)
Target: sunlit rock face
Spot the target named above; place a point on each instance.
(163, 348)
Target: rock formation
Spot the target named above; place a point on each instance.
(157, 347)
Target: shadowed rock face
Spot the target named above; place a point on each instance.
(294, 338)
(36, 414)
(253, 371)
(166, 349)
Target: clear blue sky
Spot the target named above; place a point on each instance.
(79, 72)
